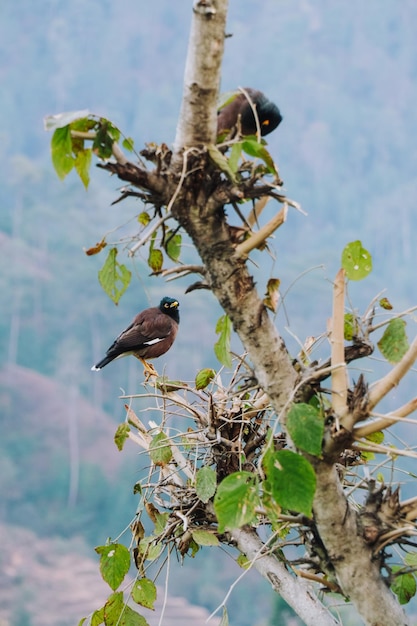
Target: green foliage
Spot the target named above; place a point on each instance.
(114, 277)
(204, 378)
(172, 245)
(205, 483)
(144, 593)
(351, 326)
(394, 343)
(61, 148)
(114, 563)
(225, 618)
(222, 162)
(155, 257)
(205, 538)
(290, 479)
(356, 261)
(305, 425)
(118, 613)
(256, 149)
(222, 345)
(160, 450)
(236, 500)
(121, 434)
(404, 585)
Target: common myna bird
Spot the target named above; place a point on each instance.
(150, 335)
(268, 114)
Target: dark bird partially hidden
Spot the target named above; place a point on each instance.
(150, 335)
(240, 108)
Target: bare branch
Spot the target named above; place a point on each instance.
(386, 421)
(339, 378)
(256, 239)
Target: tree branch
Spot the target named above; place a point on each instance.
(339, 379)
(294, 591)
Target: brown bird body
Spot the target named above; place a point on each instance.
(240, 108)
(151, 334)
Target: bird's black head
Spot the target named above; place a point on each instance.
(268, 113)
(170, 307)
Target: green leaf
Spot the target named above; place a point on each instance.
(61, 147)
(97, 617)
(236, 500)
(52, 122)
(225, 618)
(404, 586)
(290, 479)
(204, 378)
(394, 343)
(205, 483)
(235, 154)
(243, 561)
(114, 277)
(306, 427)
(222, 345)
(121, 434)
(82, 165)
(356, 261)
(205, 538)
(103, 141)
(117, 613)
(173, 245)
(272, 294)
(384, 303)
(128, 144)
(144, 218)
(377, 437)
(114, 563)
(255, 149)
(351, 326)
(155, 260)
(160, 450)
(222, 162)
(150, 549)
(227, 98)
(144, 593)
(411, 559)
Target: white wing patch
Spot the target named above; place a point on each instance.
(152, 341)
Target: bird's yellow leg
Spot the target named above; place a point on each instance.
(148, 369)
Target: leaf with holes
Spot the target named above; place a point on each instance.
(114, 563)
(356, 261)
(144, 593)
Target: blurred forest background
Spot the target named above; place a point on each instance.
(345, 78)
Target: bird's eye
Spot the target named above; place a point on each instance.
(265, 123)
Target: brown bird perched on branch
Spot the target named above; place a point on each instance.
(242, 108)
(150, 335)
